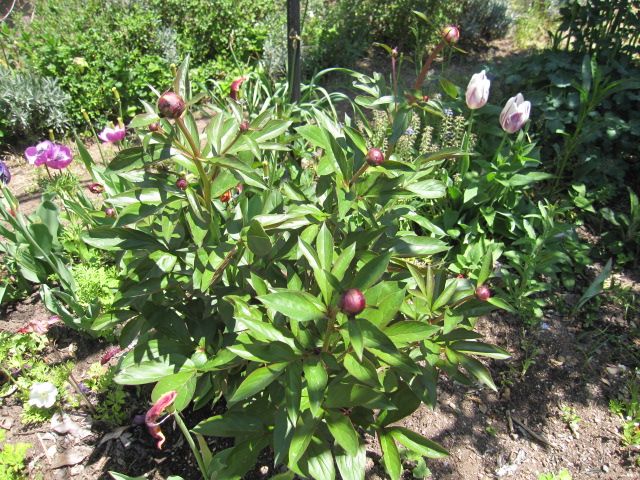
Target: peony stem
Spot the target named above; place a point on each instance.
(427, 65)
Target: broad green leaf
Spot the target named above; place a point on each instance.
(417, 443)
(343, 261)
(371, 272)
(342, 430)
(477, 369)
(107, 238)
(230, 424)
(324, 244)
(427, 189)
(305, 428)
(445, 296)
(479, 348)
(487, 265)
(257, 381)
(299, 306)
(152, 371)
(390, 455)
(361, 369)
(182, 382)
(414, 246)
(316, 376)
(351, 467)
(258, 240)
(406, 332)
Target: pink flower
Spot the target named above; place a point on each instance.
(478, 90)
(515, 114)
(59, 157)
(235, 87)
(37, 154)
(50, 154)
(112, 135)
(151, 418)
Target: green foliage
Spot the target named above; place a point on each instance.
(484, 20)
(31, 105)
(606, 29)
(12, 458)
(96, 284)
(561, 475)
(114, 406)
(628, 408)
(63, 183)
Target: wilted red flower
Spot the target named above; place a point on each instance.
(151, 418)
(235, 87)
(95, 188)
(226, 196)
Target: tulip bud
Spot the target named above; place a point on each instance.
(478, 90)
(171, 105)
(110, 212)
(182, 183)
(451, 34)
(375, 157)
(226, 196)
(95, 188)
(483, 293)
(352, 302)
(244, 126)
(515, 114)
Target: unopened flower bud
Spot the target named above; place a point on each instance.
(244, 126)
(171, 105)
(353, 302)
(182, 183)
(451, 34)
(483, 293)
(154, 127)
(375, 157)
(110, 212)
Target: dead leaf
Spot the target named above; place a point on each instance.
(70, 458)
(113, 435)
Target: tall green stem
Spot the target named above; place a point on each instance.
(187, 435)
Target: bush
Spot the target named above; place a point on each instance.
(484, 20)
(30, 105)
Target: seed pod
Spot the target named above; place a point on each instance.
(352, 302)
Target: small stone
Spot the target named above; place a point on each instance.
(264, 470)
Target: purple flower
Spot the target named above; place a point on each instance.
(37, 154)
(112, 135)
(5, 174)
(52, 155)
(59, 157)
(515, 114)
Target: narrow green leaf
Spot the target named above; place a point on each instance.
(316, 376)
(257, 381)
(417, 443)
(342, 430)
(299, 306)
(390, 455)
(371, 272)
(479, 348)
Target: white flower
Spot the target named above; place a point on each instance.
(478, 90)
(515, 114)
(43, 394)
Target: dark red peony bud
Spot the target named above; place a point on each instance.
(352, 302)
(375, 157)
(244, 126)
(460, 275)
(182, 183)
(171, 105)
(451, 34)
(110, 212)
(235, 87)
(95, 188)
(155, 127)
(483, 293)
(425, 98)
(226, 196)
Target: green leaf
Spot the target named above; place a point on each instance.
(449, 88)
(361, 369)
(257, 381)
(107, 238)
(150, 371)
(446, 295)
(487, 264)
(258, 240)
(299, 306)
(316, 376)
(324, 244)
(414, 246)
(479, 348)
(478, 370)
(390, 455)
(406, 332)
(596, 286)
(318, 463)
(343, 261)
(351, 467)
(428, 189)
(371, 272)
(342, 430)
(301, 439)
(182, 382)
(417, 443)
(121, 476)
(356, 337)
(230, 424)
(500, 303)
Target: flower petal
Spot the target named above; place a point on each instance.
(151, 418)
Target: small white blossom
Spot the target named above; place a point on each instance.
(43, 394)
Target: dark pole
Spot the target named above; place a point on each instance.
(293, 49)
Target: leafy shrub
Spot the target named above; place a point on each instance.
(12, 458)
(31, 105)
(484, 20)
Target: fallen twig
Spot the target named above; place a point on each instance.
(536, 436)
